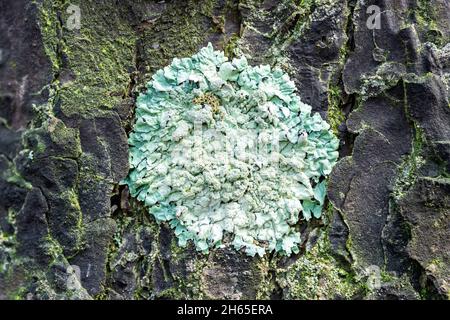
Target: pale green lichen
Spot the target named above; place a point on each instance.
(222, 147)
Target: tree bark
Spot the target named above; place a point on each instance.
(68, 84)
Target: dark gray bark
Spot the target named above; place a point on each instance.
(66, 105)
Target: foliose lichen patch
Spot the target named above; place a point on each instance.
(224, 150)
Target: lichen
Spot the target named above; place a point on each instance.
(222, 147)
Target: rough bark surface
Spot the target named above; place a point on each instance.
(69, 231)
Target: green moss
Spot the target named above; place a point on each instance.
(172, 293)
(387, 277)
(53, 249)
(411, 163)
(195, 281)
(231, 46)
(72, 198)
(102, 295)
(17, 294)
(425, 16)
(40, 147)
(11, 175)
(64, 136)
(265, 266)
(50, 28)
(318, 275)
(176, 250)
(335, 114)
(13, 64)
(301, 18)
(180, 31)
(336, 93)
(98, 61)
(8, 245)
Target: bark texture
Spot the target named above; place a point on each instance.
(69, 231)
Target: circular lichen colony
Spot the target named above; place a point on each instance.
(224, 150)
